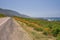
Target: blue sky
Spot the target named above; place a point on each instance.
(33, 8)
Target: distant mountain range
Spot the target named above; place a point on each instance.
(11, 13)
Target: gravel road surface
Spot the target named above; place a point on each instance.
(11, 30)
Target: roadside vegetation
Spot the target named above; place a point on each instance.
(2, 15)
(40, 28)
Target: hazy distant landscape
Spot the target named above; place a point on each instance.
(38, 28)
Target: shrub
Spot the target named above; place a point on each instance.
(58, 37)
(55, 32)
(45, 33)
(38, 29)
(1, 15)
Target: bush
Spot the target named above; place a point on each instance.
(55, 32)
(1, 15)
(38, 29)
(45, 33)
(58, 37)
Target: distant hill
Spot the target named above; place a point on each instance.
(53, 18)
(50, 18)
(11, 13)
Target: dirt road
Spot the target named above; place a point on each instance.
(11, 30)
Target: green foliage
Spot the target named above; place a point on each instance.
(45, 33)
(58, 37)
(1, 15)
(50, 26)
(55, 32)
(54, 26)
(38, 29)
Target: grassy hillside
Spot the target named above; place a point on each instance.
(41, 29)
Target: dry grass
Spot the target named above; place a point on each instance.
(34, 34)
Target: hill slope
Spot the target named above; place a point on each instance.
(11, 13)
